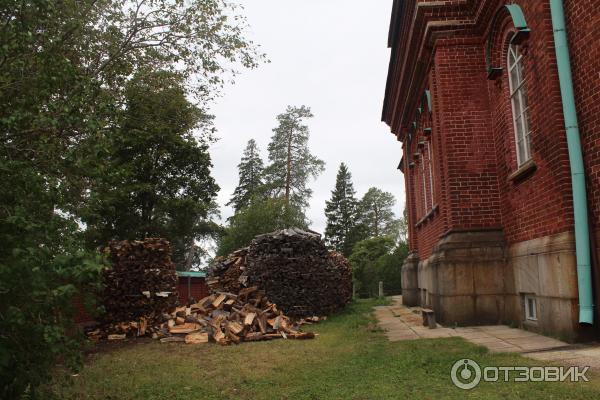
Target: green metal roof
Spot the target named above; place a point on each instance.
(191, 274)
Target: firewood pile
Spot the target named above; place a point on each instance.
(142, 283)
(224, 318)
(225, 272)
(295, 270)
(345, 270)
(141, 300)
(228, 318)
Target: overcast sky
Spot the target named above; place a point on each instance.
(330, 55)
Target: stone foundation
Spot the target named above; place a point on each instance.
(410, 285)
(547, 268)
(463, 280)
(474, 278)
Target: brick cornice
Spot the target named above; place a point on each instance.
(417, 30)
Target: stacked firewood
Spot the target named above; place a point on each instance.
(293, 267)
(225, 272)
(224, 318)
(142, 283)
(344, 269)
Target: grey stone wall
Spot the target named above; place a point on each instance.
(475, 278)
(547, 268)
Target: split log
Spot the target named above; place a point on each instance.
(196, 338)
(172, 339)
(185, 328)
(235, 327)
(249, 318)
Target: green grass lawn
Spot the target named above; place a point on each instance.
(350, 359)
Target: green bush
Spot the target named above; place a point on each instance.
(378, 259)
(260, 217)
(42, 265)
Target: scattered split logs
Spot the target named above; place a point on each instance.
(293, 267)
(232, 318)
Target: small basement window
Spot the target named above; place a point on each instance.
(530, 308)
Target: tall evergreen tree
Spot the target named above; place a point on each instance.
(291, 163)
(250, 185)
(341, 211)
(376, 217)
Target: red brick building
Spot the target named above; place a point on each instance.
(475, 97)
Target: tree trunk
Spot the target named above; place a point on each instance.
(288, 177)
(376, 222)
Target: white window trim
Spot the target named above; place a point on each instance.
(430, 165)
(428, 195)
(426, 209)
(528, 315)
(522, 127)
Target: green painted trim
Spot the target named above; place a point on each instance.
(580, 206)
(191, 274)
(517, 16)
(428, 98)
(518, 19)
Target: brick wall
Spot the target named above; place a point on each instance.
(583, 26)
(442, 47)
(472, 185)
(540, 203)
(425, 186)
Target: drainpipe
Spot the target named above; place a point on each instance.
(580, 209)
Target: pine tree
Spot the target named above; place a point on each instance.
(251, 172)
(375, 215)
(291, 163)
(341, 212)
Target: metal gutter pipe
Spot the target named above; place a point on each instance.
(580, 207)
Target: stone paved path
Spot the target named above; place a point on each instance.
(402, 323)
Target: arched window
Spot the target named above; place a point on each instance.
(520, 107)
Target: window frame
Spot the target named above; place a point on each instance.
(430, 165)
(528, 315)
(519, 104)
(424, 179)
